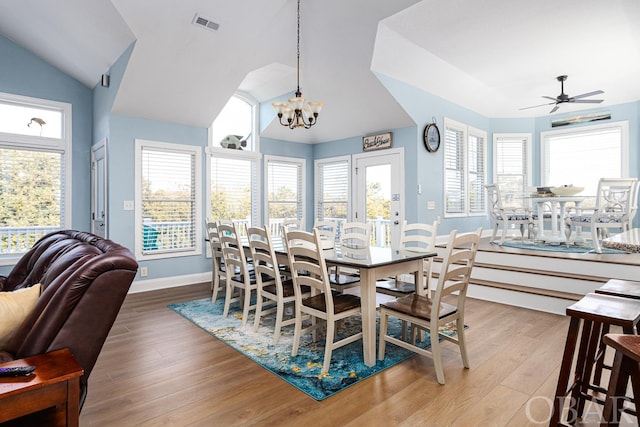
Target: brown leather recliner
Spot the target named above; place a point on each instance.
(84, 279)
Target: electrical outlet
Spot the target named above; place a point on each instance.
(143, 271)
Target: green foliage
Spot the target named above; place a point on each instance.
(377, 204)
(30, 193)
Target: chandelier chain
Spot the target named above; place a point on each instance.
(298, 47)
(298, 112)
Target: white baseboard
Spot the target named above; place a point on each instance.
(168, 282)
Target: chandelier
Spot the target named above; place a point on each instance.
(298, 112)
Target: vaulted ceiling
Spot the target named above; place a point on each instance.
(491, 56)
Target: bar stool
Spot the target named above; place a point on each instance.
(618, 288)
(625, 366)
(591, 313)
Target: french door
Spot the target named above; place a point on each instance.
(378, 194)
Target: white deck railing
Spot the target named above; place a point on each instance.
(160, 235)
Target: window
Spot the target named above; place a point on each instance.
(234, 127)
(582, 156)
(512, 166)
(233, 194)
(232, 180)
(333, 187)
(465, 169)
(35, 171)
(167, 200)
(284, 189)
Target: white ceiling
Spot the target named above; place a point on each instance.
(490, 56)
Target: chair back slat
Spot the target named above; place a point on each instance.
(457, 264)
(308, 266)
(232, 250)
(265, 261)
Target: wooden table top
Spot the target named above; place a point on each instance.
(51, 368)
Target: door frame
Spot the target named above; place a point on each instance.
(100, 145)
(400, 206)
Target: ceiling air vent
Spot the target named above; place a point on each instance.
(206, 23)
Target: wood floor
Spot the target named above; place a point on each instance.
(157, 368)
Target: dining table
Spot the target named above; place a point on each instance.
(374, 264)
(558, 214)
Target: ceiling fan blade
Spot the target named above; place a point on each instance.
(587, 101)
(553, 99)
(536, 106)
(584, 95)
(553, 110)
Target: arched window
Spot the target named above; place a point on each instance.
(234, 127)
(233, 163)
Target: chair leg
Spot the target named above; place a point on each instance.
(435, 352)
(495, 232)
(297, 331)
(278, 325)
(384, 320)
(227, 300)
(246, 307)
(328, 347)
(505, 229)
(462, 342)
(259, 302)
(595, 239)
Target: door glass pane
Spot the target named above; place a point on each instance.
(378, 203)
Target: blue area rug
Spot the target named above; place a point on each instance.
(304, 370)
(536, 246)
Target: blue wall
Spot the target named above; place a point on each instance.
(423, 108)
(22, 73)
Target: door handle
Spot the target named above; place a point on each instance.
(396, 222)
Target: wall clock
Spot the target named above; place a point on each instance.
(431, 137)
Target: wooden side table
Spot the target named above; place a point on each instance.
(56, 385)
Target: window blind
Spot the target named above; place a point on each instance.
(511, 164)
(581, 157)
(168, 200)
(332, 194)
(284, 190)
(476, 172)
(234, 190)
(454, 183)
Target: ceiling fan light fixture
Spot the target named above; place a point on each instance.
(298, 113)
(564, 98)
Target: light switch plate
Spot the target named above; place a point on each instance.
(128, 205)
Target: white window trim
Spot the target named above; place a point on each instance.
(303, 185)
(64, 144)
(466, 131)
(196, 151)
(316, 185)
(480, 134)
(624, 132)
(255, 126)
(527, 137)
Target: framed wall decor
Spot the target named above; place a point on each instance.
(377, 142)
(431, 137)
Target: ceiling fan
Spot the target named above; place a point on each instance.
(563, 97)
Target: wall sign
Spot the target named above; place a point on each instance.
(377, 142)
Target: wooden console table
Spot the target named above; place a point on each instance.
(55, 384)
